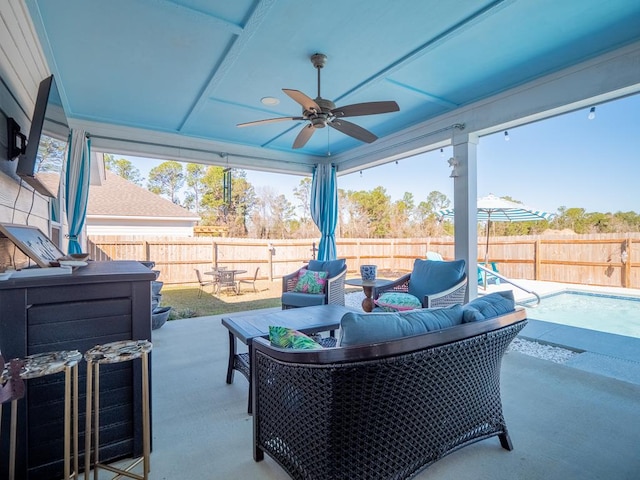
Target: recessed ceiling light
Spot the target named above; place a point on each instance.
(270, 101)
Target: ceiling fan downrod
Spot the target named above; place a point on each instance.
(318, 60)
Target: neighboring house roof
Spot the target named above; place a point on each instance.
(117, 197)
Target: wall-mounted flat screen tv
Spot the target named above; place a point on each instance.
(41, 164)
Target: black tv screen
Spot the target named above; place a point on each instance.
(41, 164)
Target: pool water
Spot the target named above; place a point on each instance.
(605, 313)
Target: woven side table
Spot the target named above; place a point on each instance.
(116, 352)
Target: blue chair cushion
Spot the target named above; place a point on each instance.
(489, 306)
(332, 267)
(296, 299)
(430, 276)
(366, 328)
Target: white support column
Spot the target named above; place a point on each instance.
(465, 194)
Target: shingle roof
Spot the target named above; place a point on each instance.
(119, 197)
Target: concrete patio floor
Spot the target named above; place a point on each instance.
(565, 423)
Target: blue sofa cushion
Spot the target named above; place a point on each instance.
(489, 306)
(431, 276)
(364, 328)
(297, 299)
(332, 267)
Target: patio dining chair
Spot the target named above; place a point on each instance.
(249, 281)
(205, 283)
(227, 280)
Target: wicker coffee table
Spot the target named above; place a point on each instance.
(309, 320)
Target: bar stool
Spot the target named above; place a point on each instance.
(50, 363)
(11, 390)
(116, 352)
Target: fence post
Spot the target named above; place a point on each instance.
(537, 260)
(145, 248)
(625, 258)
(214, 254)
(271, 249)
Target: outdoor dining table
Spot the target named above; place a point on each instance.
(229, 281)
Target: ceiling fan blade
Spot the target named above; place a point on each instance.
(353, 130)
(268, 120)
(368, 108)
(304, 136)
(306, 102)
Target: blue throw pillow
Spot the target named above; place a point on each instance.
(397, 302)
(431, 276)
(366, 328)
(489, 306)
(332, 267)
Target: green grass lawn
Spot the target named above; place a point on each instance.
(185, 302)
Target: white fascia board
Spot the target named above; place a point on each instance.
(171, 146)
(138, 217)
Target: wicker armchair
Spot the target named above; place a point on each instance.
(383, 410)
(433, 275)
(334, 289)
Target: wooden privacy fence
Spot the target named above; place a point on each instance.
(604, 259)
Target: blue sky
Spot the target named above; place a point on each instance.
(566, 161)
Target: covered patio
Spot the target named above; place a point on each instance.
(172, 79)
(565, 423)
(182, 75)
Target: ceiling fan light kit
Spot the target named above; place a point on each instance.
(322, 112)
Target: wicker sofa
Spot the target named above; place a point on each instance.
(382, 410)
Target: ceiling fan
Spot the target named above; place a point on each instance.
(322, 112)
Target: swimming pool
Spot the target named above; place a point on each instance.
(605, 313)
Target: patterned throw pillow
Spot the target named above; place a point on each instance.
(284, 337)
(397, 302)
(310, 282)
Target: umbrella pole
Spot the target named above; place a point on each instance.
(486, 253)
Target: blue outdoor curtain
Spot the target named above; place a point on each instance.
(324, 209)
(77, 186)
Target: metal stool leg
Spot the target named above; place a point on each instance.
(129, 351)
(87, 431)
(41, 365)
(12, 439)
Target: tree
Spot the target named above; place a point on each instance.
(273, 215)
(402, 215)
(166, 179)
(427, 220)
(302, 193)
(572, 218)
(234, 216)
(376, 207)
(194, 179)
(123, 168)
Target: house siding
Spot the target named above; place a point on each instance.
(22, 68)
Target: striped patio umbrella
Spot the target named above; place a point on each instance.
(496, 209)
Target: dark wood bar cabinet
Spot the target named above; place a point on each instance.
(96, 304)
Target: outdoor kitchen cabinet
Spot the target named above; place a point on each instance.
(99, 303)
